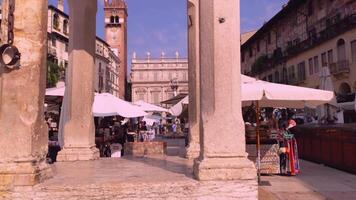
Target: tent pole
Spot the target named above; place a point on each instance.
(258, 145)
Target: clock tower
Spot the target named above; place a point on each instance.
(116, 36)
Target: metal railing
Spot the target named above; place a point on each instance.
(342, 66)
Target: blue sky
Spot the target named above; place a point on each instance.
(160, 25)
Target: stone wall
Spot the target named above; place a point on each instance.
(145, 148)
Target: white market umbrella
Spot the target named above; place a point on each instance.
(177, 109)
(106, 104)
(150, 119)
(149, 107)
(56, 91)
(266, 94)
(326, 84)
(280, 95)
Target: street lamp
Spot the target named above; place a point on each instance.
(174, 86)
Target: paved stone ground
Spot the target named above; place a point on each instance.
(314, 182)
(164, 177)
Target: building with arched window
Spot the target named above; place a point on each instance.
(107, 63)
(151, 78)
(302, 40)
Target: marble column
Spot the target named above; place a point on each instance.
(192, 151)
(79, 131)
(222, 136)
(23, 131)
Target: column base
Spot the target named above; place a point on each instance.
(24, 173)
(192, 151)
(229, 168)
(78, 154)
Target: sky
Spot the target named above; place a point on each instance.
(161, 25)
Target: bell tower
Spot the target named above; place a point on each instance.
(116, 36)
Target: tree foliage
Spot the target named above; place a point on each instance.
(53, 73)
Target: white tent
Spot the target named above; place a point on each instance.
(106, 104)
(56, 91)
(177, 109)
(279, 95)
(150, 119)
(149, 107)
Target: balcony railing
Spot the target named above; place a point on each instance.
(343, 98)
(331, 30)
(339, 67)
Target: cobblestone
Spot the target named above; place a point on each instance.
(132, 178)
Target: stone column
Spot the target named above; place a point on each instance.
(79, 132)
(192, 151)
(222, 136)
(23, 131)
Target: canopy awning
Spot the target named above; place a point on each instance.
(174, 100)
(149, 107)
(106, 104)
(177, 109)
(280, 95)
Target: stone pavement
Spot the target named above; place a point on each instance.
(160, 177)
(314, 182)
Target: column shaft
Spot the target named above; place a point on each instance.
(79, 131)
(222, 137)
(192, 150)
(23, 131)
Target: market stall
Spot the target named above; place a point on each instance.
(266, 94)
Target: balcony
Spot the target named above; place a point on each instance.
(343, 98)
(332, 29)
(341, 67)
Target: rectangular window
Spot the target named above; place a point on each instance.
(155, 97)
(54, 42)
(324, 61)
(291, 73)
(258, 46)
(242, 56)
(301, 71)
(141, 96)
(155, 76)
(353, 50)
(66, 47)
(330, 56)
(185, 76)
(269, 38)
(316, 64)
(311, 66)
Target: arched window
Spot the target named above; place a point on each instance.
(56, 21)
(65, 26)
(276, 77)
(341, 50)
(291, 73)
(112, 19)
(284, 75)
(116, 19)
(344, 89)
